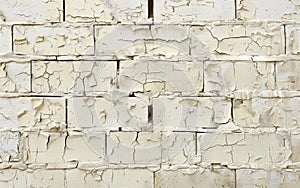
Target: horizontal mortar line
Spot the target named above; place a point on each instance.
(250, 59)
(104, 95)
(118, 166)
(243, 130)
(150, 22)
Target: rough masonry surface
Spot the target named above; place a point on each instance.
(149, 93)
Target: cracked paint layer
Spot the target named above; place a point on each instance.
(44, 147)
(84, 146)
(190, 113)
(178, 148)
(178, 178)
(293, 39)
(161, 76)
(191, 11)
(256, 9)
(128, 113)
(132, 40)
(53, 40)
(134, 148)
(250, 38)
(110, 178)
(32, 113)
(112, 11)
(57, 149)
(295, 144)
(288, 75)
(225, 77)
(9, 146)
(31, 11)
(6, 39)
(267, 112)
(250, 149)
(78, 77)
(15, 77)
(31, 178)
(270, 178)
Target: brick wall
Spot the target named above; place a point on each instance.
(149, 93)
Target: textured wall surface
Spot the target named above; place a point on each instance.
(149, 93)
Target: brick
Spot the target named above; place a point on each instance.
(292, 39)
(40, 113)
(86, 146)
(191, 11)
(15, 77)
(270, 178)
(254, 38)
(226, 77)
(78, 77)
(190, 113)
(295, 143)
(288, 75)
(161, 76)
(134, 148)
(131, 40)
(112, 178)
(9, 143)
(6, 39)
(242, 148)
(268, 112)
(37, 178)
(108, 12)
(53, 40)
(128, 113)
(194, 178)
(256, 9)
(178, 148)
(44, 147)
(31, 11)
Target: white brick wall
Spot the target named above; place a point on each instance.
(149, 93)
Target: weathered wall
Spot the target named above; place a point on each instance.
(149, 93)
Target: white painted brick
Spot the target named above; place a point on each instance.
(259, 112)
(32, 11)
(129, 113)
(161, 76)
(134, 148)
(40, 113)
(36, 178)
(257, 38)
(190, 113)
(112, 178)
(293, 39)
(53, 40)
(288, 75)
(178, 148)
(130, 40)
(59, 148)
(15, 77)
(6, 39)
(78, 77)
(87, 146)
(268, 9)
(194, 178)
(9, 146)
(44, 147)
(107, 11)
(225, 77)
(191, 11)
(295, 144)
(242, 148)
(271, 178)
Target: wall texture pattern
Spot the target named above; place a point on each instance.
(149, 93)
